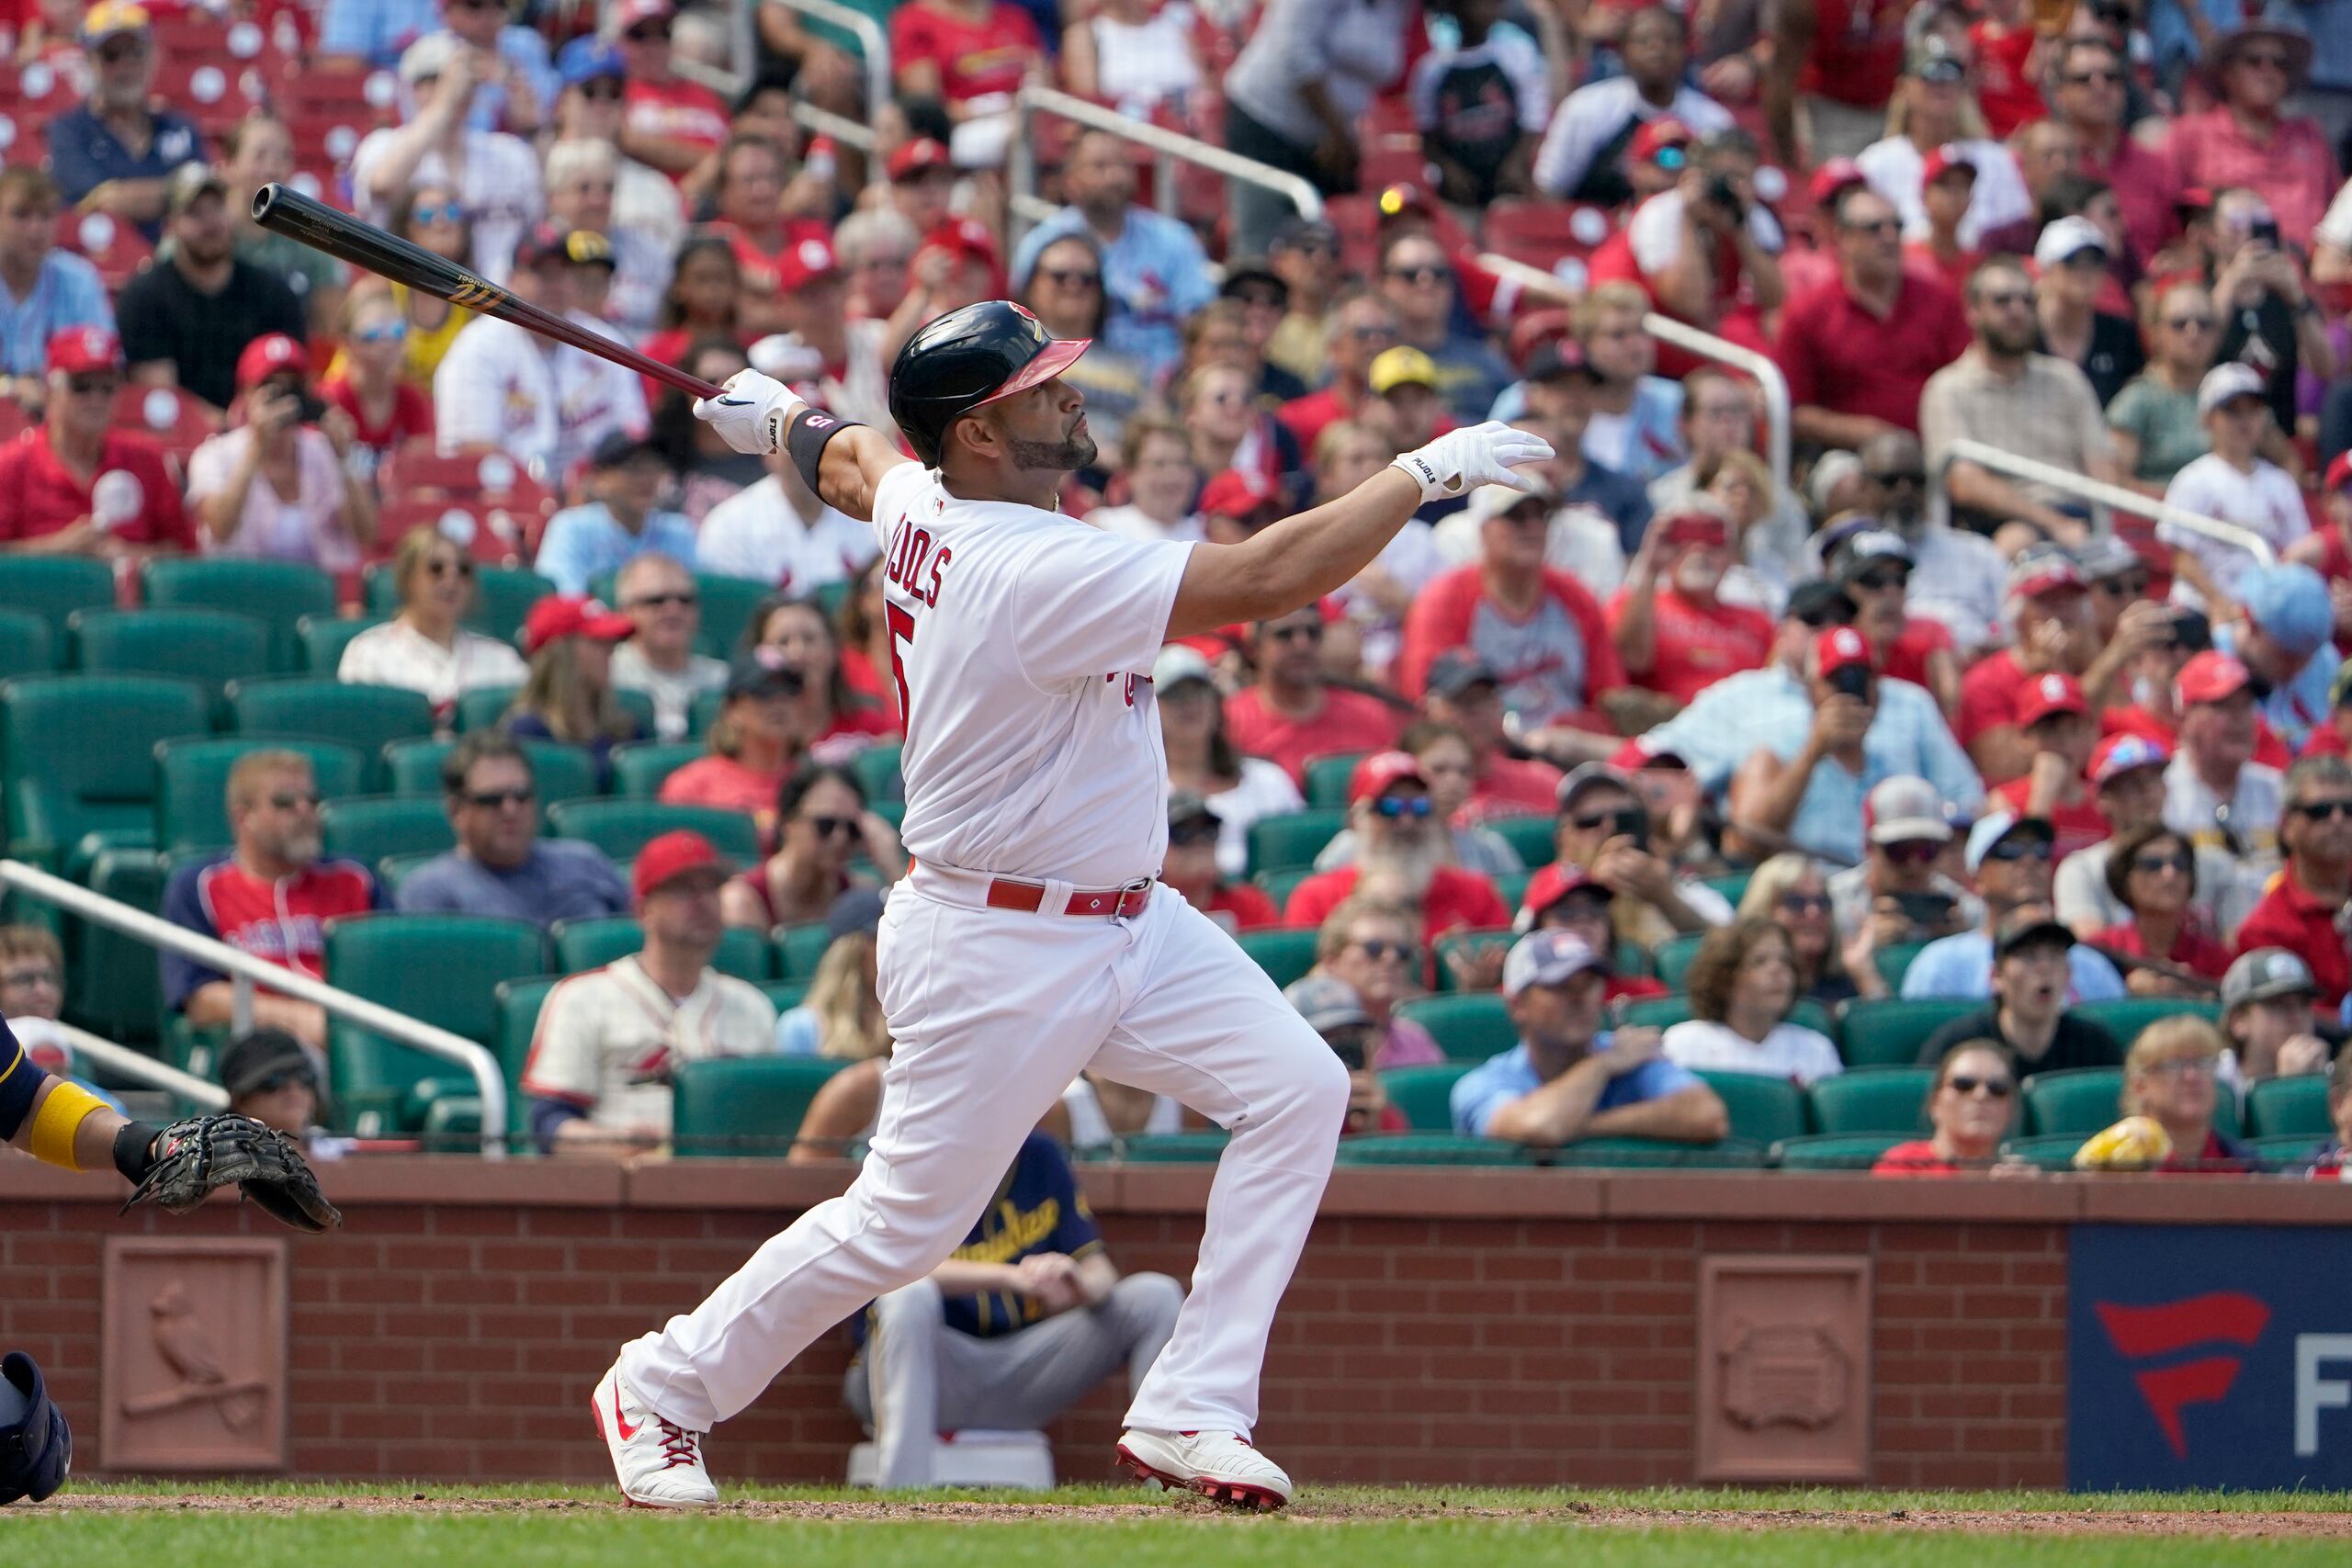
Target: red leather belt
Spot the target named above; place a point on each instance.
(1099, 903)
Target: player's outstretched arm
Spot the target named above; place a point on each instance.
(759, 416)
(57, 1123)
(1297, 560)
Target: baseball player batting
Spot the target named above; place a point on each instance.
(1029, 941)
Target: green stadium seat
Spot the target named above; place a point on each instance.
(2049, 1151)
(1468, 1026)
(113, 987)
(1878, 1099)
(367, 827)
(702, 712)
(369, 718)
(518, 1019)
(1672, 957)
(638, 705)
(593, 944)
(2078, 1100)
(278, 593)
(393, 870)
(53, 587)
(1327, 780)
(440, 969)
(621, 827)
(831, 596)
(1429, 1148)
(744, 1105)
(1833, 1151)
(2124, 1017)
(1531, 836)
(1655, 1154)
(1894, 961)
(559, 771)
(2285, 1150)
(2290, 1106)
(502, 596)
(1279, 886)
(413, 767)
(1734, 887)
(799, 949)
(482, 707)
(321, 639)
(1197, 1147)
(192, 783)
(81, 758)
(1285, 952)
(27, 646)
(1665, 1012)
(784, 994)
(1763, 1108)
(639, 767)
(1890, 1032)
(1511, 889)
(214, 647)
(1464, 946)
(1425, 1094)
(1290, 841)
(876, 768)
(727, 606)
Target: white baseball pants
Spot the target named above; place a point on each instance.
(993, 1013)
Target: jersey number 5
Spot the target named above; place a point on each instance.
(902, 629)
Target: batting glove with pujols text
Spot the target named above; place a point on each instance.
(752, 414)
(1459, 462)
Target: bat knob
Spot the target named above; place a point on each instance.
(264, 199)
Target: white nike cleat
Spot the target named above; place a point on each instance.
(659, 1462)
(1220, 1466)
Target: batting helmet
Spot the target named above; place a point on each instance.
(36, 1449)
(966, 359)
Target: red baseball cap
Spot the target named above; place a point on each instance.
(2046, 695)
(1950, 158)
(673, 855)
(1234, 495)
(1838, 647)
(2209, 677)
(1655, 135)
(2340, 472)
(2120, 754)
(806, 261)
(969, 238)
(920, 156)
(1381, 772)
(77, 350)
(1548, 886)
(272, 354)
(572, 615)
(1833, 179)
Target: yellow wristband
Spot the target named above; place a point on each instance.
(59, 1118)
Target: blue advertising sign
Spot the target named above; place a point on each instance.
(2209, 1356)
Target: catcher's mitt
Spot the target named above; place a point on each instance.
(194, 1157)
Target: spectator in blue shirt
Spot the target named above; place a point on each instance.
(1567, 1079)
(360, 35)
(584, 542)
(2283, 638)
(111, 152)
(44, 290)
(1417, 279)
(2009, 856)
(502, 866)
(1153, 268)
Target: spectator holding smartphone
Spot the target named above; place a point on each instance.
(1604, 829)
(1333, 1011)
(2266, 318)
(1897, 896)
(275, 485)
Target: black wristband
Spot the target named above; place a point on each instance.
(805, 438)
(134, 1150)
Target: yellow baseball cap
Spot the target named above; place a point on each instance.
(111, 17)
(1403, 366)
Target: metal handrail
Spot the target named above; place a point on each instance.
(1171, 147)
(2114, 497)
(248, 972)
(871, 39)
(124, 1062)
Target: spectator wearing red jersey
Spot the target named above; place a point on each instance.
(1947, 184)
(1875, 566)
(1189, 866)
(1972, 1107)
(2151, 871)
(1360, 328)
(1294, 714)
(1466, 695)
(2088, 93)
(762, 219)
(1859, 349)
(269, 896)
(1705, 250)
(76, 486)
(2249, 139)
(2328, 550)
(2302, 910)
(2057, 722)
(2049, 605)
(385, 410)
(1674, 637)
(1402, 858)
(2008, 46)
(970, 54)
(667, 122)
(1835, 66)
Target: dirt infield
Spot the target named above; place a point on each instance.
(2058, 1520)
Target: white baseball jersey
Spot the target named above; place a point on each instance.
(541, 402)
(611, 1040)
(1022, 643)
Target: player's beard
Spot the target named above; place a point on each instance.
(1063, 456)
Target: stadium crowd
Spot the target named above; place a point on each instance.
(1629, 813)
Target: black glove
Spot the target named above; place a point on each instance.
(189, 1158)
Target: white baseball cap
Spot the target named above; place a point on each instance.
(2065, 239)
(2224, 382)
(1546, 958)
(1906, 809)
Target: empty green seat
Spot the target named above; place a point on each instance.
(1533, 837)
(278, 593)
(1657, 1153)
(113, 987)
(81, 756)
(639, 767)
(369, 718)
(593, 944)
(53, 587)
(27, 646)
(1833, 1151)
(1285, 953)
(1672, 957)
(1289, 840)
(215, 647)
(440, 969)
(2285, 1151)
(727, 606)
(1891, 1031)
(192, 783)
(876, 768)
(744, 1105)
(2289, 1107)
(1429, 1148)
(1763, 1109)
(321, 639)
(621, 827)
(1468, 1026)
(367, 827)
(2079, 1101)
(2124, 1017)
(1424, 1094)
(1327, 779)
(482, 707)
(502, 596)
(1881, 1100)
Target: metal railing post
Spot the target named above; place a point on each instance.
(872, 41)
(2114, 497)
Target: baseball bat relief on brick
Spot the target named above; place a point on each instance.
(284, 211)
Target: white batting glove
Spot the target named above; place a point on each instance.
(1458, 463)
(753, 414)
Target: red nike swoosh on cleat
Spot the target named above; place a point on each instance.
(627, 1431)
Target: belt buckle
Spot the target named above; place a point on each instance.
(1133, 897)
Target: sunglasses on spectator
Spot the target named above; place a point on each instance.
(445, 566)
(1394, 806)
(497, 799)
(2191, 323)
(2320, 811)
(1070, 277)
(1305, 631)
(439, 212)
(2157, 866)
(1891, 478)
(2265, 60)
(383, 332)
(1911, 852)
(1992, 1089)
(2024, 848)
(285, 1078)
(120, 49)
(1377, 949)
(602, 89)
(1192, 834)
(1879, 581)
(2128, 587)
(1806, 903)
(292, 799)
(831, 827)
(1421, 274)
(647, 32)
(684, 598)
(97, 384)
(2094, 79)
(2006, 299)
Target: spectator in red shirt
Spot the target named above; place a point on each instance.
(1875, 566)
(1294, 714)
(1466, 695)
(2151, 871)
(967, 53)
(2304, 910)
(1704, 249)
(667, 122)
(1190, 867)
(1563, 896)
(270, 897)
(1677, 638)
(1947, 184)
(74, 485)
(760, 216)
(1971, 1107)
(1858, 351)
(2056, 723)
(2328, 550)
(385, 410)
(2049, 605)
(2088, 94)
(1360, 328)
(1401, 858)
(2245, 140)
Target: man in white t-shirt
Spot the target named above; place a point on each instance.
(659, 593)
(494, 177)
(778, 532)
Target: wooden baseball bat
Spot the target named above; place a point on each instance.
(282, 211)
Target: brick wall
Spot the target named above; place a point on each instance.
(1505, 1327)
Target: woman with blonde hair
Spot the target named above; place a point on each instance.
(840, 1018)
(1793, 892)
(568, 694)
(1933, 109)
(1742, 984)
(2172, 1086)
(426, 648)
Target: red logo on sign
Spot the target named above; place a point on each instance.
(2139, 1333)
